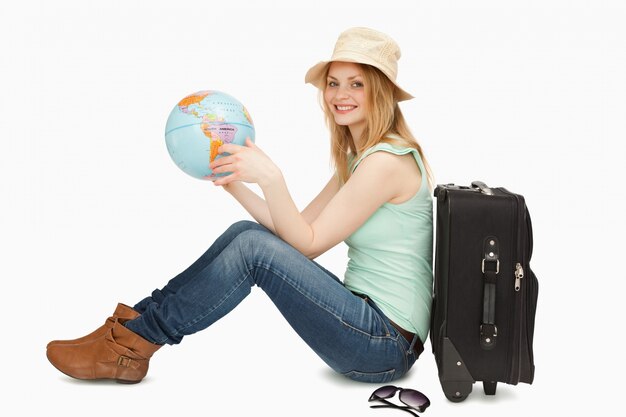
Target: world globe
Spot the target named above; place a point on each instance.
(199, 124)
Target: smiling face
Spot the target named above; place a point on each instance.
(345, 96)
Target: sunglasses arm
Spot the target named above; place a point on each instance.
(392, 405)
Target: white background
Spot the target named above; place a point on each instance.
(530, 95)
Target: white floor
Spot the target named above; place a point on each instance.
(268, 370)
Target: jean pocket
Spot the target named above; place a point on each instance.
(374, 377)
(367, 319)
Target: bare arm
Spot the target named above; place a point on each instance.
(249, 200)
(257, 206)
(316, 206)
(377, 179)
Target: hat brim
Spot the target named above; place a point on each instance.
(317, 73)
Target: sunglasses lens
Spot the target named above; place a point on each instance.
(385, 392)
(414, 399)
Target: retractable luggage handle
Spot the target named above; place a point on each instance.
(490, 268)
(482, 187)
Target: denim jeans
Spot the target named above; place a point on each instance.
(347, 331)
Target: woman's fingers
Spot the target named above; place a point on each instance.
(242, 163)
(221, 161)
(230, 148)
(225, 180)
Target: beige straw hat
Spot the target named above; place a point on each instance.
(363, 46)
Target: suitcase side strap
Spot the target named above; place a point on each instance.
(490, 268)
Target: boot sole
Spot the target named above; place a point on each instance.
(119, 381)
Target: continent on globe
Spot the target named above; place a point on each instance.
(218, 135)
(189, 104)
(193, 99)
(215, 144)
(224, 132)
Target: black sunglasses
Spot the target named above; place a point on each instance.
(413, 399)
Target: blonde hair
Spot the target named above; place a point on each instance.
(384, 125)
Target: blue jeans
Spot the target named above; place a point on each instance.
(347, 331)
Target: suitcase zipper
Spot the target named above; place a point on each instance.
(516, 343)
(519, 274)
(525, 304)
(516, 364)
(531, 305)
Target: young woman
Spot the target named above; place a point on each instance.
(370, 326)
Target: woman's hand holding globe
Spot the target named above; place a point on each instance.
(244, 163)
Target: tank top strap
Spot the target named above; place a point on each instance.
(392, 149)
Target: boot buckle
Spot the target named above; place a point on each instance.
(124, 361)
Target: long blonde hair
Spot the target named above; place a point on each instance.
(385, 124)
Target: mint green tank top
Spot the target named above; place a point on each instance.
(390, 255)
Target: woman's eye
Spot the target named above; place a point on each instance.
(355, 84)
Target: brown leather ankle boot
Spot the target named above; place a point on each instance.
(122, 311)
(118, 354)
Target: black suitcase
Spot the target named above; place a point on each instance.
(485, 294)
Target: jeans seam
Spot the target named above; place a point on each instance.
(215, 307)
(382, 317)
(405, 351)
(365, 333)
(390, 372)
(286, 279)
(405, 356)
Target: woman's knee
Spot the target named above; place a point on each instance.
(259, 239)
(262, 248)
(244, 225)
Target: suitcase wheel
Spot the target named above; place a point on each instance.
(456, 391)
(456, 397)
(490, 387)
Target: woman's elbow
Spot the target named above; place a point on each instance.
(313, 251)
(312, 255)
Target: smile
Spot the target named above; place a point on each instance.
(344, 109)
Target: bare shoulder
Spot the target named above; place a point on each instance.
(391, 163)
(401, 171)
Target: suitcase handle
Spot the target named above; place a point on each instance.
(482, 187)
(488, 328)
